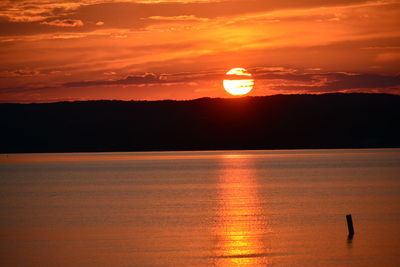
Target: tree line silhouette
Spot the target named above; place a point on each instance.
(270, 122)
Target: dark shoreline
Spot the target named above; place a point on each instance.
(328, 121)
(204, 150)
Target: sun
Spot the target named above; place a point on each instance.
(238, 82)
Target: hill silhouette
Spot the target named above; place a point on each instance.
(271, 122)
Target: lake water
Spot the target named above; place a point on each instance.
(213, 208)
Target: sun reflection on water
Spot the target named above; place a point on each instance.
(241, 223)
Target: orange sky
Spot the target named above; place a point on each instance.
(54, 50)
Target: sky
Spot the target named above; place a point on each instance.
(66, 50)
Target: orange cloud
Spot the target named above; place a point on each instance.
(64, 23)
(389, 56)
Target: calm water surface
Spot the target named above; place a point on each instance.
(227, 208)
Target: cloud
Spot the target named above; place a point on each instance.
(19, 72)
(151, 78)
(336, 82)
(189, 85)
(390, 56)
(64, 23)
(28, 10)
(286, 74)
(148, 78)
(177, 18)
(31, 11)
(136, 15)
(282, 79)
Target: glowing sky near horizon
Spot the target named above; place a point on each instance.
(96, 49)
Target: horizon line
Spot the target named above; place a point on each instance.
(196, 99)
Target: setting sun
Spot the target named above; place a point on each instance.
(238, 82)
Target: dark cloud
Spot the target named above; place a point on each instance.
(151, 78)
(287, 80)
(286, 76)
(148, 78)
(332, 82)
(312, 82)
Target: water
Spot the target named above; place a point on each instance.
(227, 208)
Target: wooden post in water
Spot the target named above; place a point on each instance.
(350, 225)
